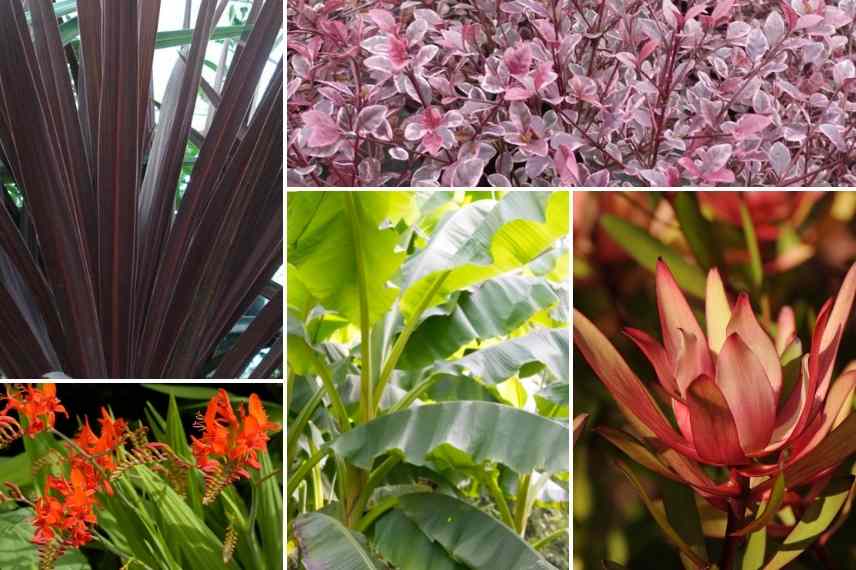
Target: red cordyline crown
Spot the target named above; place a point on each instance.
(730, 391)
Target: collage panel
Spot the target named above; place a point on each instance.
(149, 476)
(428, 381)
(141, 167)
(584, 93)
(714, 379)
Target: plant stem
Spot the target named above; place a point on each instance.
(339, 411)
(414, 393)
(541, 543)
(296, 428)
(736, 515)
(373, 514)
(401, 341)
(366, 394)
(305, 468)
(499, 497)
(375, 479)
(521, 505)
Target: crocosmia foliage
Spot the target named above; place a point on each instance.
(428, 380)
(122, 492)
(571, 92)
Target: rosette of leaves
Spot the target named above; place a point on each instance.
(428, 383)
(133, 245)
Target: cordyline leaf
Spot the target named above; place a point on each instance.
(468, 534)
(133, 283)
(39, 171)
(400, 541)
(118, 163)
(155, 202)
(471, 432)
(647, 250)
(326, 544)
(188, 251)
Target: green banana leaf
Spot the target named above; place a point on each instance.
(492, 309)
(325, 245)
(501, 361)
(461, 433)
(469, 535)
(325, 544)
(400, 541)
(482, 240)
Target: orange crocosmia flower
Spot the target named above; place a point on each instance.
(65, 511)
(38, 404)
(232, 440)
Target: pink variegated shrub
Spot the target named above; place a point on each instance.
(572, 93)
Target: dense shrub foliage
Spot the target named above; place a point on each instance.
(571, 92)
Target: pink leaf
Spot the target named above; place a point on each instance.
(518, 94)
(713, 426)
(722, 175)
(322, 130)
(647, 50)
(468, 172)
(750, 124)
(722, 10)
(808, 21)
(790, 14)
(383, 20)
(543, 75)
(371, 117)
(518, 59)
(671, 13)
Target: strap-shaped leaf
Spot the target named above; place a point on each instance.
(400, 541)
(814, 521)
(475, 432)
(658, 512)
(646, 249)
(483, 239)
(492, 309)
(325, 544)
(470, 535)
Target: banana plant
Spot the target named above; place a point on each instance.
(427, 379)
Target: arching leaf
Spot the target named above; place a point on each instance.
(484, 239)
(468, 534)
(400, 541)
(461, 433)
(814, 521)
(501, 361)
(325, 544)
(324, 248)
(494, 308)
